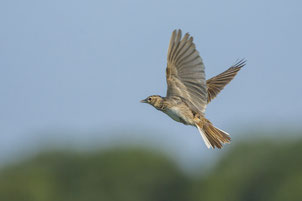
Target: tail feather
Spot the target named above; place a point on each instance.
(204, 137)
(212, 136)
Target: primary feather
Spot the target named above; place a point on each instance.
(217, 83)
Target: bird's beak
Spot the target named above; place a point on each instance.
(143, 101)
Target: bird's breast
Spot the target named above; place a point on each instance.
(180, 114)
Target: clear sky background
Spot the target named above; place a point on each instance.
(74, 71)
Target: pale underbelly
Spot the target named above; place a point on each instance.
(176, 114)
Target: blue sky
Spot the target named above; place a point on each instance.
(80, 67)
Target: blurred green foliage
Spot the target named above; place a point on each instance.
(253, 171)
(256, 171)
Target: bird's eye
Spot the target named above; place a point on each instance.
(149, 99)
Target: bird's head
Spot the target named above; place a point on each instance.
(154, 100)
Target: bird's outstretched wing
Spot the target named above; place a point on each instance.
(185, 72)
(217, 83)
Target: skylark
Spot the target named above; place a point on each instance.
(189, 92)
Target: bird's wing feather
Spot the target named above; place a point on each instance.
(185, 72)
(217, 83)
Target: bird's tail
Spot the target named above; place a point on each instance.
(212, 136)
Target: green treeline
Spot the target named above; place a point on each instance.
(255, 171)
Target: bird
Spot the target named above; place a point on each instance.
(188, 91)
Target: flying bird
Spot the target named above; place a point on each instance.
(188, 90)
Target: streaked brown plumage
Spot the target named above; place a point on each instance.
(188, 91)
(217, 83)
